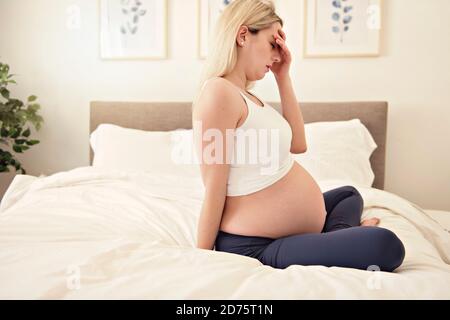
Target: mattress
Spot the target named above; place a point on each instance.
(91, 233)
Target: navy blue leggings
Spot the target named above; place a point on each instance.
(342, 242)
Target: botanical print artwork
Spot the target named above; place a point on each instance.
(132, 10)
(339, 28)
(342, 17)
(133, 29)
(341, 22)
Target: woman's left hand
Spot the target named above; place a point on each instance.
(281, 69)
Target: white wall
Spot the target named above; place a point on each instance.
(62, 67)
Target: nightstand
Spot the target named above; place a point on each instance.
(5, 180)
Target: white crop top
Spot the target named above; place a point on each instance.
(261, 152)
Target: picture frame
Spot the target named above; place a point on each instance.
(133, 29)
(208, 15)
(342, 28)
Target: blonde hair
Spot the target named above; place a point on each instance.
(222, 56)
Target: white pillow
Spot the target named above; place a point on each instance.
(338, 150)
(165, 152)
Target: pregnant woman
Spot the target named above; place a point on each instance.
(280, 218)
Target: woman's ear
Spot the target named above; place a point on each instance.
(242, 35)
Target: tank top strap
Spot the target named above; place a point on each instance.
(242, 94)
(247, 99)
(251, 101)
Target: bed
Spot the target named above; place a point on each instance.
(101, 233)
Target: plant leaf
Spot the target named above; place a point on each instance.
(15, 133)
(32, 142)
(26, 133)
(17, 148)
(4, 92)
(4, 132)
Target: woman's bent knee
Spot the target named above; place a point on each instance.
(355, 193)
(390, 249)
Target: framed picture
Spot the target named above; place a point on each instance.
(133, 29)
(209, 12)
(342, 28)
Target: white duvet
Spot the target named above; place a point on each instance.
(92, 233)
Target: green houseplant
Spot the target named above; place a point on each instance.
(15, 117)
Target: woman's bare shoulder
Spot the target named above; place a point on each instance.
(217, 92)
(217, 87)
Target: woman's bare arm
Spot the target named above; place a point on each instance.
(216, 112)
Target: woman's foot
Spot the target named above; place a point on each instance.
(370, 222)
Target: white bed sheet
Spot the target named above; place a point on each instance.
(92, 233)
(440, 216)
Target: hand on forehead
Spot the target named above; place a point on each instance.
(281, 33)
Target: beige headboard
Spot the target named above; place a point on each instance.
(164, 116)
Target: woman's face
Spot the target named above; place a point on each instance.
(259, 51)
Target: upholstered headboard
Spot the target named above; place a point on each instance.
(165, 116)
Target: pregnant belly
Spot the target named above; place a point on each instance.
(292, 205)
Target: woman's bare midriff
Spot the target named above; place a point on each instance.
(292, 205)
